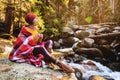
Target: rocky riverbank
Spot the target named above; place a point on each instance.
(100, 44)
(22, 71)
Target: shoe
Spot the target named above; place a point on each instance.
(65, 67)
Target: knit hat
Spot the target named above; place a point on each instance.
(30, 17)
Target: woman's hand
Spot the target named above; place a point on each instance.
(38, 37)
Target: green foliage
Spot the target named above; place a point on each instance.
(65, 2)
(88, 19)
(53, 15)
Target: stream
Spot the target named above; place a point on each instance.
(101, 71)
(88, 70)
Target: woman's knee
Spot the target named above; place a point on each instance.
(50, 41)
(49, 44)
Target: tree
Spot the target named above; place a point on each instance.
(9, 16)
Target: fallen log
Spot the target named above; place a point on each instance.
(108, 35)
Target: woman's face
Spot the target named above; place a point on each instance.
(35, 21)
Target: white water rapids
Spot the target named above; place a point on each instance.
(90, 70)
(101, 71)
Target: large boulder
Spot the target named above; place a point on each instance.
(22, 71)
(81, 34)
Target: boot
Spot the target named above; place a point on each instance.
(65, 67)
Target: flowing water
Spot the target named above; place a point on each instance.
(88, 70)
(101, 71)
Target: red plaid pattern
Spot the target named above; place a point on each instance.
(23, 49)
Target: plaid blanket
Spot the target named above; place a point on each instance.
(23, 49)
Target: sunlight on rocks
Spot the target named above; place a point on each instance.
(5, 48)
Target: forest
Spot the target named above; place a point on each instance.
(54, 15)
(85, 35)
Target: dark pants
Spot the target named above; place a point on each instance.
(42, 49)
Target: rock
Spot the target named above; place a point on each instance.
(70, 41)
(78, 74)
(89, 52)
(66, 32)
(108, 54)
(76, 45)
(58, 54)
(2, 49)
(5, 68)
(117, 28)
(72, 77)
(56, 45)
(102, 42)
(103, 30)
(115, 66)
(75, 58)
(5, 42)
(91, 31)
(81, 34)
(75, 27)
(22, 71)
(96, 77)
(115, 31)
(6, 36)
(66, 51)
(84, 67)
(60, 41)
(116, 45)
(5, 47)
(67, 42)
(95, 26)
(90, 63)
(88, 42)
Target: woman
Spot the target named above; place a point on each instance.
(30, 48)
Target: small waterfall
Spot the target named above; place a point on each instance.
(101, 70)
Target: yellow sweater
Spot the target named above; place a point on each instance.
(33, 32)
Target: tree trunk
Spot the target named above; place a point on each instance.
(9, 18)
